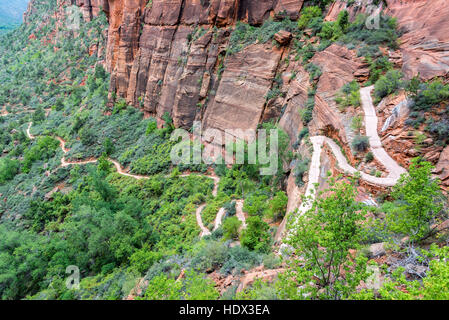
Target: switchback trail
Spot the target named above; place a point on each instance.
(123, 172)
(393, 168)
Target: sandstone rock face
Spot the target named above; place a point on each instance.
(442, 167)
(290, 8)
(167, 56)
(240, 97)
(425, 43)
(90, 8)
(338, 66)
(291, 121)
(283, 37)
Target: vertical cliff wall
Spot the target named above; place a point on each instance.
(170, 56)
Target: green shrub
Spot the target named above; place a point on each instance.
(256, 205)
(230, 208)
(388, 84)
(152, 126)
(349, 95)
(418, 202)
(142, 259)
(378, 67)
(256, 236)
(44, 149)
(244, 34)
(307, 14)
(369, 157)
(430, 95)
(278, 205)
(386, 34)
(360, 143)
(314, 71)
(8, 169)
(231, 228)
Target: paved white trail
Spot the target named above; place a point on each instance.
(393, 168)
(219, 218)
(239, 214)
(204, 230)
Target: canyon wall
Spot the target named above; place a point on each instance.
(170, 56)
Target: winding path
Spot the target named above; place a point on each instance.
(393, 168)
(122, 171)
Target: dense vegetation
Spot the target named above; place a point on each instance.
(119, 230)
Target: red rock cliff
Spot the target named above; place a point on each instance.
(167, 56)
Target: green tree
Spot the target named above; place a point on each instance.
(256, 205)
(322, 239)
(417, 197)
(307, 15)
(192, 287)
(343, 20)
(197, 287)
(39, 115)
(388, 84)
(103, 164)
(360, 143)
(278, 205)
(142, 259)
(108, 147)
(163, 288)
(8, 169)
(256, 236)
(231, 228)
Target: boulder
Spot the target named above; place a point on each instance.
(377, 250)
(283, 37)
(442, 167)
(425, 42)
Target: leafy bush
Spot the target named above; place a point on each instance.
(307, 14)
(321, 239)
(417, 195)
(256, 204)
(430, 95)
(386, 34)
(44, 149)
(193, 287)
(349, 95)
(388, 84)
(278, 205)
(330, 31)
(230, 208)
(440, 130)
(378, 67)
(360, 143)
(231, 228)
(256, 236)
(432, 287)
(245, 34)
(307, 112)
(369, 157)
(8, 169)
